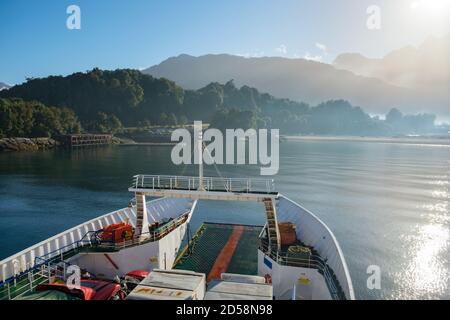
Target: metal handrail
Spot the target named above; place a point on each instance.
(29, 286)
(312, 262)
(89, 240)
(145, 237)
(247, 185)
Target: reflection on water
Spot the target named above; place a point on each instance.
(427, 274)
(387, 204)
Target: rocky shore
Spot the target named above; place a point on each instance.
(27, 144)
(35, 144)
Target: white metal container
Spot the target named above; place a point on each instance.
(170, 285)
(242, 278)
(231, 290)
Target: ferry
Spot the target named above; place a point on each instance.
(147, 251)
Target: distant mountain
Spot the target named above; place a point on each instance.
(296, 79)
(300, 80)
(4, 86)
(411, 67)
(425, 70)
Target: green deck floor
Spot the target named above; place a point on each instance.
(203, 251)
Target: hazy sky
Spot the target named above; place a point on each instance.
(35, 42)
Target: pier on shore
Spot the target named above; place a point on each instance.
(85, 140)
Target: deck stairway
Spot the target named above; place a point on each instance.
(140, 213)
(272, 225)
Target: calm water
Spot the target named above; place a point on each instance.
(387, 204)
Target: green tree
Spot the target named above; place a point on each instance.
(106, 123)
(19, 118)
(172, 120)
(163, 119)
(183, 120)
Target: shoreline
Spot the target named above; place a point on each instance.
(444, 141)
(18, 144)
(38, 144)
(129, 144)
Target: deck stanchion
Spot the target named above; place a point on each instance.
(30, 279)
(64, 271)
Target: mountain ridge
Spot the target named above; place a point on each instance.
(295, 79)
(423, 69)
(4, 86)
(311, 81)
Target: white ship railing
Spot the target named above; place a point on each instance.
(243, 185)
(310, 262)
(313, 232)
(22, 262)
(53, 264)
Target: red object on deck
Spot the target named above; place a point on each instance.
(138, 274)
(224, 258)
(117, 232)
(88, 290)
(288, 235)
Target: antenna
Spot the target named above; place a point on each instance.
(198, 128)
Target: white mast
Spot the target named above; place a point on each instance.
(198, 128)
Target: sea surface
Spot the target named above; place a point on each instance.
(387, 203)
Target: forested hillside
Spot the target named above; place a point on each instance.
(105, 101)
(20, 118)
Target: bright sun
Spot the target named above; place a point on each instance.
(433, 15)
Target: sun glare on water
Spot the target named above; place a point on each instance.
(427, 273)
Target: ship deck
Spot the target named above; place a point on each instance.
(217, 248)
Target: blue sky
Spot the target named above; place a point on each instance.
(34, 40)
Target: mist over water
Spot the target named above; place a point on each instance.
(387, 204)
